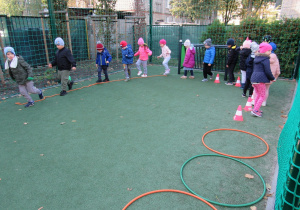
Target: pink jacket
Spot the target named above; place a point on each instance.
(143, 53)
(166, 52)
(274, 64)
(189, 59)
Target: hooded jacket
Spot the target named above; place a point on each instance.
(103, 57)
(261, 69)
(244, 53)
(143, 53)
(249, 67)
(209, 55)
(165, 51)
(232, 56)
(127, 55)
(21, 71)
(274, 65)
(189, 59)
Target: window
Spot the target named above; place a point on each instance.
(168, 4)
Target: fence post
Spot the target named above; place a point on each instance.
(68, 28)
(179, 55)
(117, 44)
(150, 27)
(45, 41)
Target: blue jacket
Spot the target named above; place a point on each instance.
(261, 69)
(249, 67)
(103, 57)
(209, 55)
(127, 55)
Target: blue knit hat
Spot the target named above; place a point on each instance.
(230, 42)
(274, 47)
(9, 49)
(59, 41)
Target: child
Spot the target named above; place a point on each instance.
(208, 60)
(232, 58)
(249, 69)
(245, 51)
(166, 54)
(143, 53)
(268, 39)
(102, 61)
(275, 69)
(261, 75)
(127, 59)
(21, 72)
(189, 59)
(64, 61)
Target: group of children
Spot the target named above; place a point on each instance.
(259, 66)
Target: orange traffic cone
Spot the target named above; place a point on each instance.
(239, 114)
(238, 82)
(217, 80)
(248, 106)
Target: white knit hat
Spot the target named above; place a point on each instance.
(187, 43)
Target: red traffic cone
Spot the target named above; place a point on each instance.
(248, 106)
(239, 114)
(217, 80)
(238, 82)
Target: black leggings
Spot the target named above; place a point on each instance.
(185, 72)
(206, 70)
(248, 85)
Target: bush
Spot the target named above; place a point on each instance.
(216, 31)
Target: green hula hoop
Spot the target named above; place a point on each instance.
(217, 203)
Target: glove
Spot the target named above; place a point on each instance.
(29, 78)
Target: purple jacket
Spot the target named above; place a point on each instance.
(189, 60)
(261, 69)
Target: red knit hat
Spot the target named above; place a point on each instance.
(123, 44)
(164, 42)
(100, 46)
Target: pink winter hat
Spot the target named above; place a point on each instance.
(247, 43)
(162, 41)
(141, 41)
(264, 47)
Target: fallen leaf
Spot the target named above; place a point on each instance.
(249, 176)
(121, 117)
(15, 141)
(268, 186)
(20, 109)
(0, 179)
(197, 95)
(269, 194)
(284, 116)
(63, 123)
(280, 126)
(73, 120)
(253, 208)
(282, 111)
(25, 123)
(129, 189)
(198, 163)
(41, 154)
(40, 208)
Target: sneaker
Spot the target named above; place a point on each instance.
(70, 85)
(63, 92)
(204, 80)
(256, 113)
(127, 79)
(139, 73)
(167, 72)
(264, 103)
(192, 77)
(211, 77)
(41, 96)
(99, 80)
(228, 83)
(106, 80)
(183, 77)
(250, 96)
(144, 75)
(29, 104)
(243, 95)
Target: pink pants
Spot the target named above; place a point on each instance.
(260, 90)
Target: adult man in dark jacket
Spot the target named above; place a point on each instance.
(65, 62)
(232, 58)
